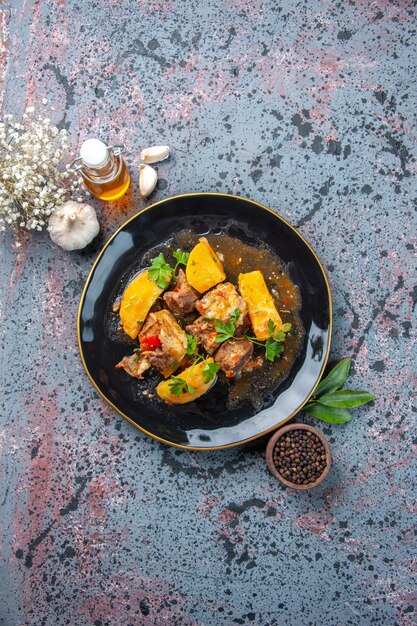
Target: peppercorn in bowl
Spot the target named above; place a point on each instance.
(298, 456)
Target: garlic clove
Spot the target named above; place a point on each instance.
(154, 154)
(73, 225)
(147, 180)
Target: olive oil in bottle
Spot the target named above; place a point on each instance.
(103, 169)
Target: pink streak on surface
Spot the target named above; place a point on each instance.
(4, 52)
(23, 249)
(107, 601)
(227, 517)
(207, 504)
(37, 481)
(315, 523)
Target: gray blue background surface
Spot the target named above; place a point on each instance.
(309, 108)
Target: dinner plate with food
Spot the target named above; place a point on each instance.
(206, 321)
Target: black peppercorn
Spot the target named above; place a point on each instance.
(299, 457)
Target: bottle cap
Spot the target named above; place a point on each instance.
(94, 153)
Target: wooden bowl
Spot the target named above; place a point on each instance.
(270, 449)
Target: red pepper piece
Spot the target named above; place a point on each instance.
(150, 343)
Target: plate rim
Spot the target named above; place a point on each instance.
(87, 283)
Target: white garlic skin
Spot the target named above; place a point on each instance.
(147, 180)
(73, 225)
(154, 154)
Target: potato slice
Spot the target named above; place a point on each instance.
(139, 296)
(204, 268)
(261, 306)
(193, 376)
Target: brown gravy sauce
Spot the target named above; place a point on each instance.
(240, 257)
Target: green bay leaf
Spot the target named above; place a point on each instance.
(327, 413)
(335, 379)
(346, 398)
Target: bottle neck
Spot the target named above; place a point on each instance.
(106, 172)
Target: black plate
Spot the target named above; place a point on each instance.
(205, 423)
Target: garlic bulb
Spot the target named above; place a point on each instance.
(154, 154)
(73, 225)
(147, 180)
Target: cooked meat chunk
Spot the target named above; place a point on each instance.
(163, 342)
(217, 304)
(182, 298)
(206, 333)
(221, 302)
(233, 355)
(134, 365)
(150, 328)
(254, 363)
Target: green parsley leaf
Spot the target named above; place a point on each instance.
(160, 271)
(285, 328)
(226, 330)
(279, 336)
(191, 344)
(176, 385)
(271, 327)
(233, 317)
(272, 349)
(181, 257)
(209, 371)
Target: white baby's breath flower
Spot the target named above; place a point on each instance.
(34, 178)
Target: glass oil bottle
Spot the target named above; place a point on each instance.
(103, 169)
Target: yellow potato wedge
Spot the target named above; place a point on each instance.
(193, 376)
(204, 268)
(261, 306)
(139, 296)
